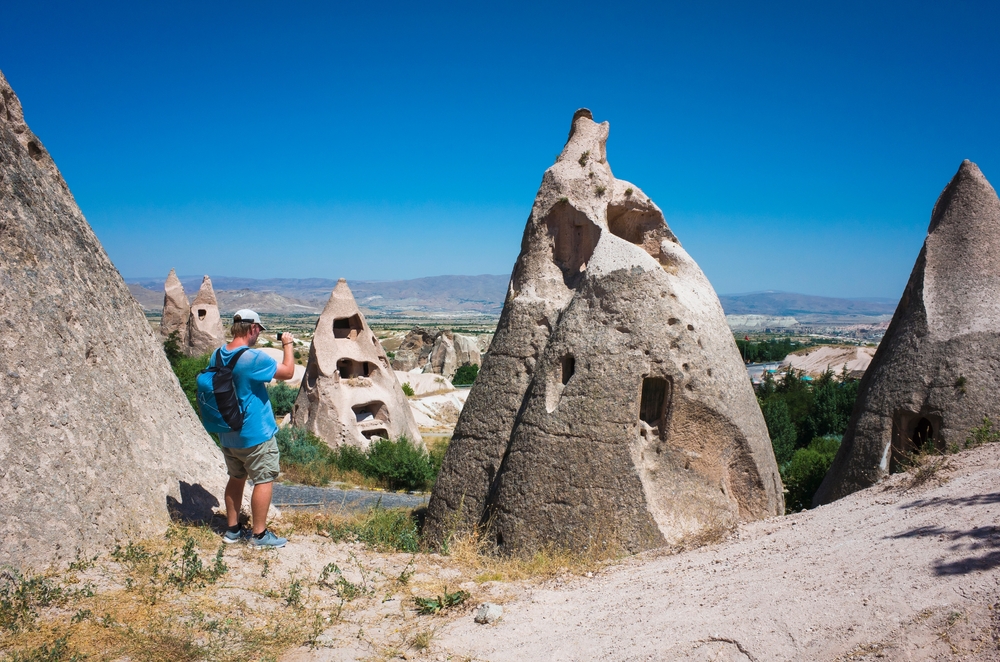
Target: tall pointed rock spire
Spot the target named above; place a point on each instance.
(176, 310)
(934, 376)
(205, 330)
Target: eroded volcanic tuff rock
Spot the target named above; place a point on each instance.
(349, 394)
(205, 330)
(96, 436)
(935, 373)
(613, 407)
(176, 310)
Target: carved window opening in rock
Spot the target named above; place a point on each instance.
(654, 403)
(201, 313)
(349, 369)
(644, 228)
(913, 433)
(568, 368)
(347, 327)
(377, 433)
(574, 237)
(371, 413)
(311, 376)
(34, 151)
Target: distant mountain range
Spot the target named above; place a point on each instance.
(459, 295)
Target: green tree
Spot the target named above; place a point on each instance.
(465, 375)
(804, 474)
(780, 429)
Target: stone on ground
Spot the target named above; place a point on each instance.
(613, 409)
(97, 439)
(350, 394)
(934, 376)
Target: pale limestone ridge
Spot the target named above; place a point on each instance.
(349, 394)
(613, 406)
(96, 436)
(934, 375)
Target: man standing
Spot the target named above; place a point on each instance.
(252, 452)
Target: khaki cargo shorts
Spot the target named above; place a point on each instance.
(259, 463)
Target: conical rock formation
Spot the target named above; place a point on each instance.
(176, 310)
(934, 375)
(205, 330)
(349, 394)
(96, 436)
(613, 407)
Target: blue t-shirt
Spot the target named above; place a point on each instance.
(252, 373)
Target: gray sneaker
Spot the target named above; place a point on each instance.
(240, 536)
(268, 541)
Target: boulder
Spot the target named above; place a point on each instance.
(934, 376)
(613, 409)
(350, 394)
(414, 351)
(467, 351)
(97, 440)
(442, 360)
(205, 330)
(176, 310)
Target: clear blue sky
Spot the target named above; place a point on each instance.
(792, 146)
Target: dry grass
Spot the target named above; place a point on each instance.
(324, 474)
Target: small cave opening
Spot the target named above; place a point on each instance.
(201, 313)
(377, 433)
(349, 369)
(347, 327)
(371, 412)
(34, 151)
(643, 227)
(913, 433)
(568, 368)
(654, 403)
(574, 237)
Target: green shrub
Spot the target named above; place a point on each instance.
(804, 473)
(21, 597)
(983, 434)
(407, 389)
(465, 375)
(400, 464)
(395, 464)
(282, 398)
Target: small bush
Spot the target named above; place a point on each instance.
(282, 398)
(983, 434)
(440, 603)
(21, 597)
(466, 375)
(583, 159)
(407, 389)
(803, 475)
(400, 464)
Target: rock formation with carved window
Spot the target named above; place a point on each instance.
(350, 394)
(97, 441)
(934, 376)
(613, 408)
(205, 330)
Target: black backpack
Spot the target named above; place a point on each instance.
(217, 399)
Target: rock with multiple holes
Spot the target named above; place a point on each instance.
(205, 330)
(935, 375)
(350, 394)
(613, 409)
(97, 440)
(176, 310)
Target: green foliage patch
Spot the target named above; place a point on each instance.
(765, 351)
(282, 398)
(804, 473)
(466, 375)
(440, 603)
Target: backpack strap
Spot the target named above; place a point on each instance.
(235, 358)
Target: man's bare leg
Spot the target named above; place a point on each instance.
(260, 502)
(234, 500)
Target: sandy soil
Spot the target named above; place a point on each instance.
(888, 573)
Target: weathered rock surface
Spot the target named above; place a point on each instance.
(934, 375)
(176, 310)
(96, 436)
(414, 351)
(350, 394)
(205, 330)
(613, 407)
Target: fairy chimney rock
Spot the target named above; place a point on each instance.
(176, 310)
(205, 330)
(350, 394)
(414, 351)
(97, 440)
(933, 377)
(613, 407)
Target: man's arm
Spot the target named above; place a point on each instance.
(286, 369)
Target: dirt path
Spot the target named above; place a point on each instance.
(889, 573)
(304, 496)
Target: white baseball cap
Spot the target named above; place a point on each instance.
(247, 315)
